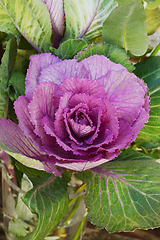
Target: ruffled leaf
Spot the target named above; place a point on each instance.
(123, 194)
(86, 17)
(114, 53)
(50, 201)
(7, 64)
(37, 63)
(126, 28)
(30, 18)
(69, 48)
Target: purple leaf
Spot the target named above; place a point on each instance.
(99, 66)
(56, 10)
(123, 90)
(37, 63)
(13, 139)
(60, 71)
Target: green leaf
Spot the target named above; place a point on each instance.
(16, 85)
(152, 20)
(30, 18)
(123, 1)
(114, 53)
(151, 130)
(124, 194)
(86, 17)
(69, 48)
(50, 201)
(153, 5)
(22, 60)
(149, 70)
(126, 28)
(7, 64)
(150, 1)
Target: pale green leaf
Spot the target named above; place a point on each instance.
(50, 201)
(28, 162)
(30, 18)
(150, 1)
(6, 23)
(126, 28)
(153, 5)
(152, 20)
(114, 53)
(86, 17)
(123, 1)
(7, 64)
(124, 194)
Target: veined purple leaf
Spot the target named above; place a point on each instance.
(56, 10)
(86, 17)
(124, 194)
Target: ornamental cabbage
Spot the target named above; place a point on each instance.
(76, 115)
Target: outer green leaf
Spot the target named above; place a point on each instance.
(149, 71)
(69, 48)
(7, 64)
(6, 24)
(152, 20)
(86, 17)
(30, 18)
(151, 130)
(50, 201)
(124, 194)
(114, 53)
(126, 28)
(16, 85)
